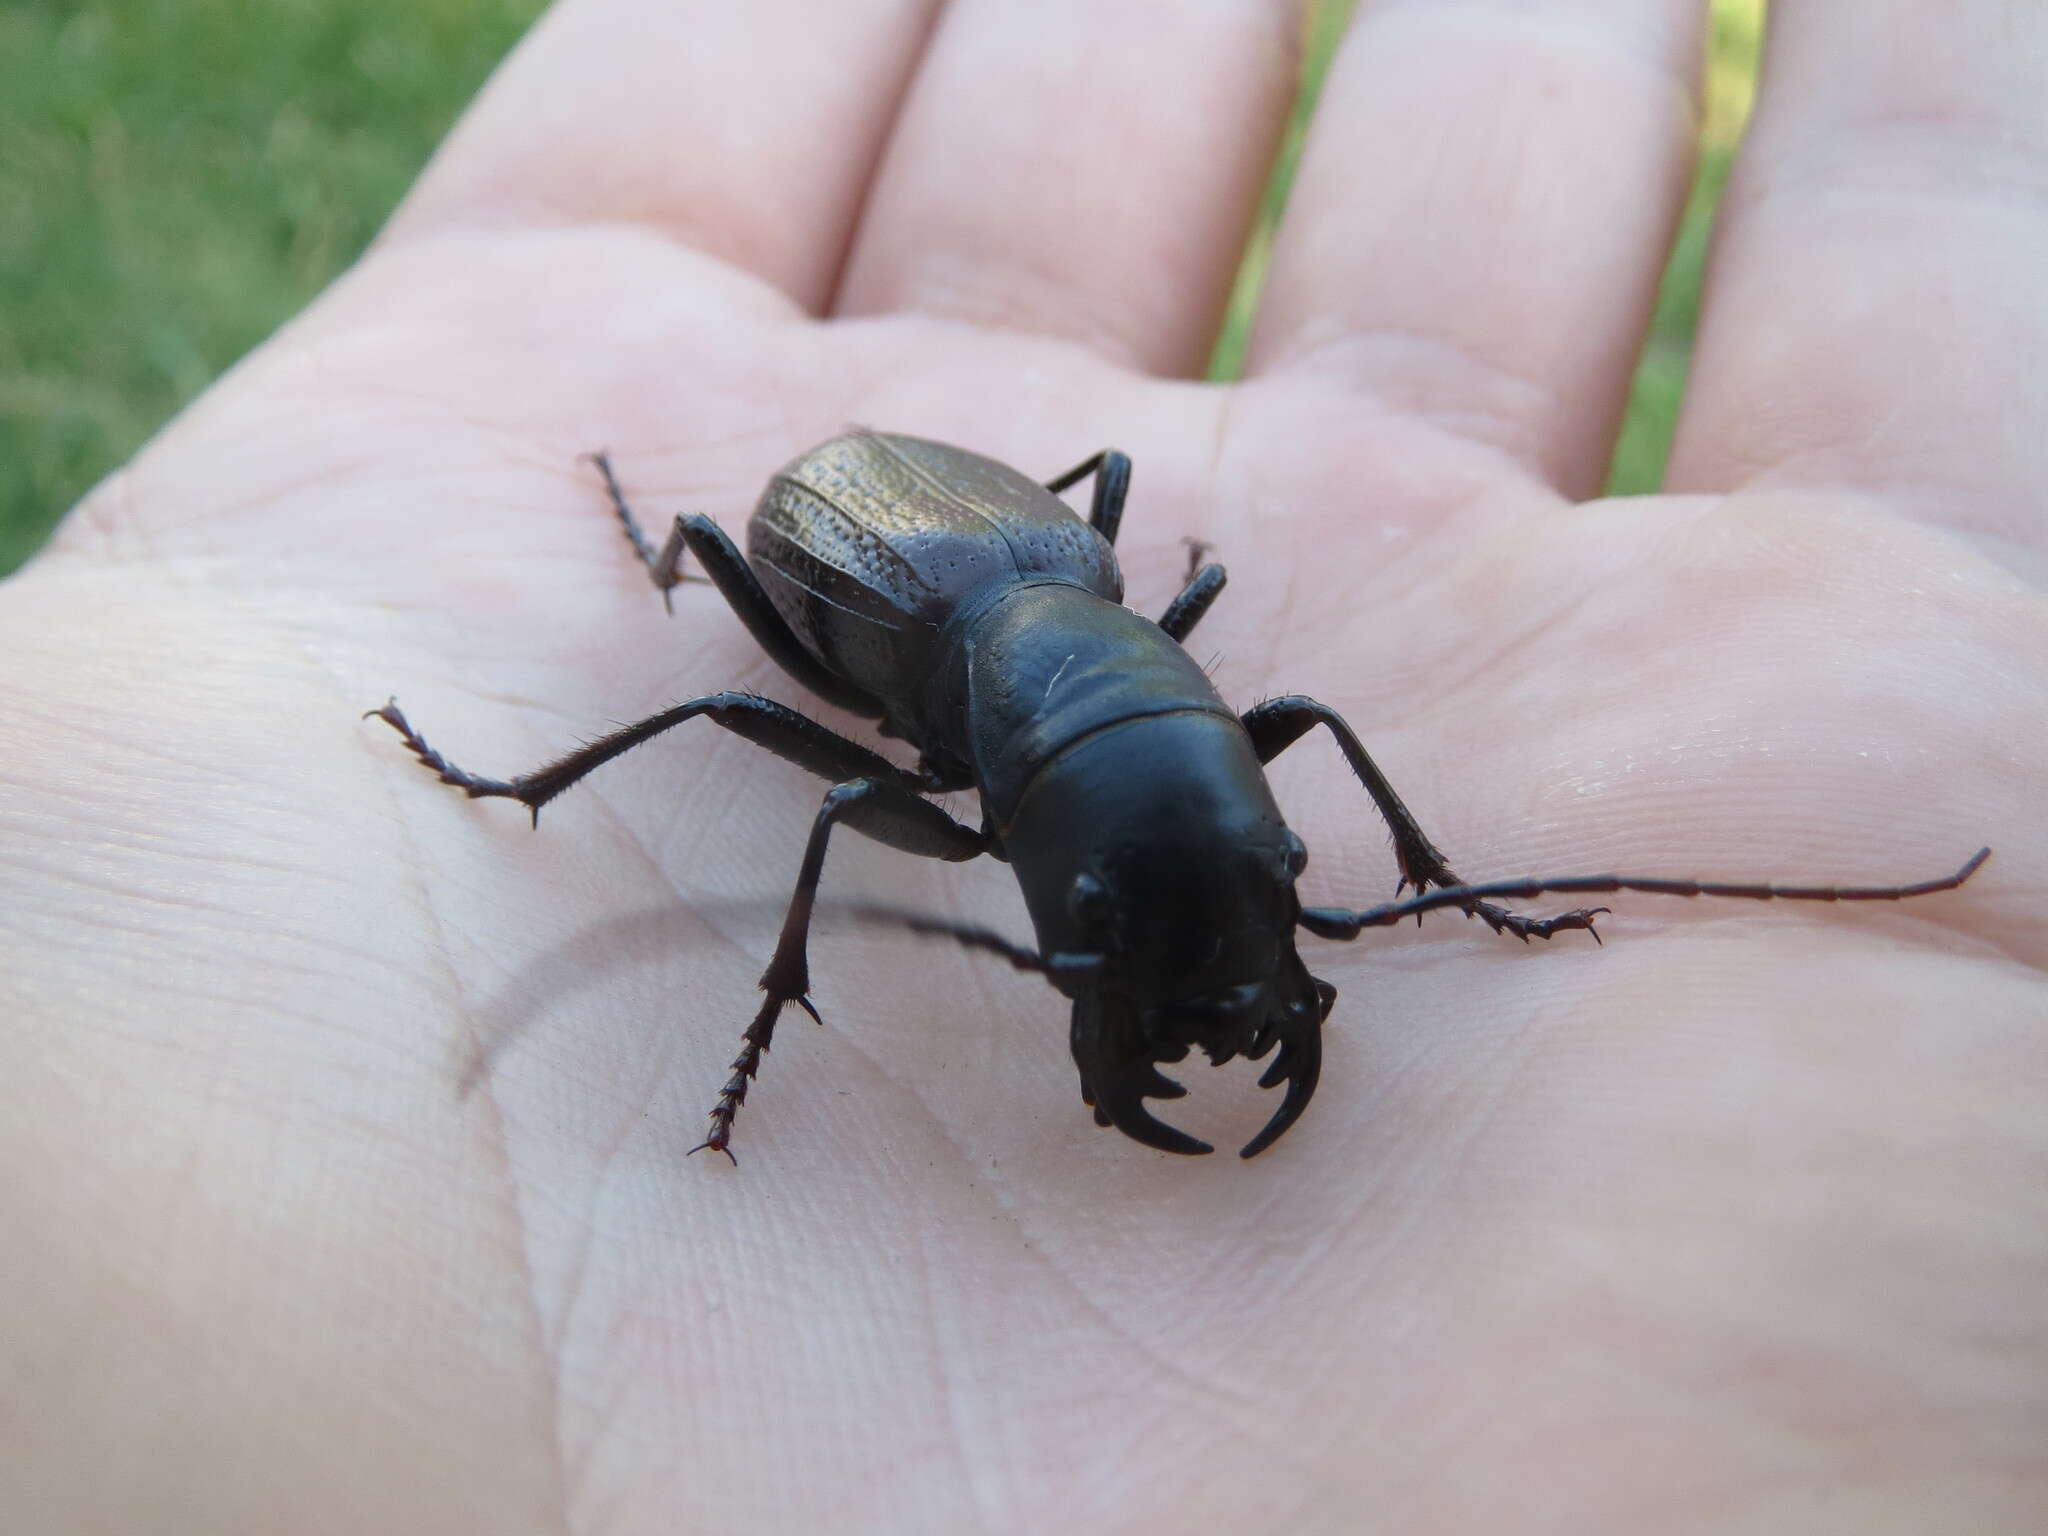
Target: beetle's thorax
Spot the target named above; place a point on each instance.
(1038, 667)
(1104, 755)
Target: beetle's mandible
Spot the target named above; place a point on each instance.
(968, 610)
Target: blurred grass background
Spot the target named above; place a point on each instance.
(180, 176)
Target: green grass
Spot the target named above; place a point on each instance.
(1639, 457)
(1659, 383)
(180, 176)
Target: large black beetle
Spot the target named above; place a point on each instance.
(965, 607)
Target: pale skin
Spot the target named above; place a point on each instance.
(344, 1120)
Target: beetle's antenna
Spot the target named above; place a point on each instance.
(1337, 923)
(973, 937)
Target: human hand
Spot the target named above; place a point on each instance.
(346, 1118)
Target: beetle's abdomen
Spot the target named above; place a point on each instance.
(867, 545)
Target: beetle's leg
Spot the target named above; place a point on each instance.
(789, 735)
(1278, 723)
(726, 569)
(884, 810)
(664, 567)
(1186, 610)
(1338, 923)
(1112, 472)
(742, 590)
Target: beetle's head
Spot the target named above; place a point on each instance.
(1159, 871)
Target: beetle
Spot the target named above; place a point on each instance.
(970, 612)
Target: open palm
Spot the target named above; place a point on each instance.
(346, 1118)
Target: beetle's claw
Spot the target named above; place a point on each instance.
(1120, 1066)
(1122, 1100)
(1118, 1090)
(1137, 1122)
(1298, 1065)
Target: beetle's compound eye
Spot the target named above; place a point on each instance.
(1088, 903)
(1296, 854)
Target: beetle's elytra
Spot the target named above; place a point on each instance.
(964, 607)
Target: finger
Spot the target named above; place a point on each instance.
(1877, 310)
(1081, 170)
(747, 131)
(1484, 205)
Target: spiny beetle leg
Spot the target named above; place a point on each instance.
(793, 737)
(745, 1067)
(1278, 723)
(751, 605)
(473, 785)
(726, 569)
(665, 566)
(884, 810)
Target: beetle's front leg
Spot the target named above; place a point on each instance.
(1112, 472)
(883, 810)
(1204, 585)
(790, 736)
(1278, 723)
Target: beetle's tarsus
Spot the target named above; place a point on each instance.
(665, 564)
(473, 785)
(745, 1067)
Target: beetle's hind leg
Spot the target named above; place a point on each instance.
(883, 810)
(726, 569)
(873, 796)
(1278, 723)
(664, 565)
